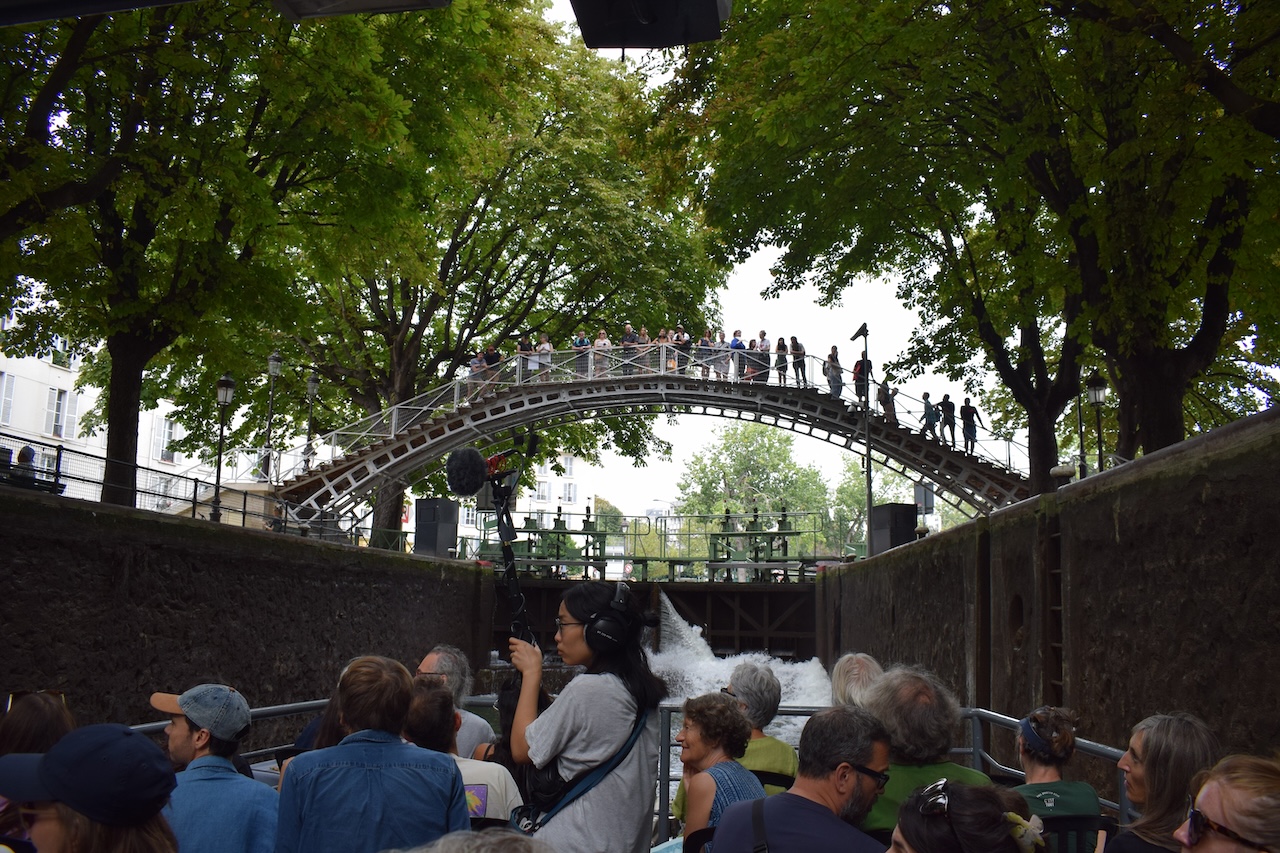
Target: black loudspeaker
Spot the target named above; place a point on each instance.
(649, 23)
(892, 525)
(436, 526)
(608, 630)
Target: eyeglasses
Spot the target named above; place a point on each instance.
(881, 779)
(728, 691)
(561, 624)
(22, 694)
(1197, 823)
(934, 799)
(29, 813)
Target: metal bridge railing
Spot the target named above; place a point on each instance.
(77, 474)
(467, 387)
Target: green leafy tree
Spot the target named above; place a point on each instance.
(180, 145)
(1040, 208)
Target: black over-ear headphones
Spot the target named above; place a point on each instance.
(608, 630)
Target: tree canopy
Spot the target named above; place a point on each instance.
(1049, 191)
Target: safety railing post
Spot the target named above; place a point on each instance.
(664, 772)
(979, 745)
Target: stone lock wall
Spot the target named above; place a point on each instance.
(1152, 587)
(112, 604)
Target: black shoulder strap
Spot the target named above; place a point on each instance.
(757, 827)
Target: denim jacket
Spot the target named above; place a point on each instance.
(215, 809)
(369, 793)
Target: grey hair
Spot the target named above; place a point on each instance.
(759, 692)
(492, 840)
(456, 669)
(919, 711)
(852, 676)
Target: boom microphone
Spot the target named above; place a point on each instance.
(466, 471)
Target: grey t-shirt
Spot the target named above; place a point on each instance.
(590, 720)
(474, 731)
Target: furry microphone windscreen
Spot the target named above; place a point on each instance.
(466, 471)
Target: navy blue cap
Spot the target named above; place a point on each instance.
(109, 773)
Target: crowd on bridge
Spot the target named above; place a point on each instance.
(394, 763)
(735, 359)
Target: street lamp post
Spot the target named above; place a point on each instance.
(274, 363)
(226, 393)
(866, 423)
(1097, 389)
(313, 385)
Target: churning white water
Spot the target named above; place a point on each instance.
(690, 668)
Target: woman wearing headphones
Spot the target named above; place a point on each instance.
(599, 626)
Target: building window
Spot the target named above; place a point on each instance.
(6, 398)
(60, 414)
(544, 491)
(469, 516)
(543, 520)
(60, 354)
(544, 469)
(166, 434)
(571, 493)
(567, 461)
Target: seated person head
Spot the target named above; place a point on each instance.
(719, 723)
(758, 692)
(100, 787)
(432, 722)
(845, 750)
(374, 693)
(1236, 805)
(950, 817)
(1047, 737)
(852, 677)
(918, 710)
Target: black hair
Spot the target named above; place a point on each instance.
(628, 661)
(973, 820)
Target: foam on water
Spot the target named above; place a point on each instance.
(690, 668)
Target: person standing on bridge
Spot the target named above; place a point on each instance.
(968, 414)
(929, 421)
(630, 346)
(581, 347)
(862, 379)
(601, 347)
(797, 362)
(884, 396)
(706, 351)
(780, 363)
(739, 357)
(721, 362)
(831, 369)
(948, 410)
(543, 358)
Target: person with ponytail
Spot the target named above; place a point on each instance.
(952, 817)
(599, 627)
(1046, 742)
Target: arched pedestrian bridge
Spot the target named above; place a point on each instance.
(480, 411)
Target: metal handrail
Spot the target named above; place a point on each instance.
(976, 750)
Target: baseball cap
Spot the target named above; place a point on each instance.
(216, 707)
(107, 772)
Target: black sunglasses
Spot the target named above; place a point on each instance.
(22, 694)
(1197, 823)
(881, 779)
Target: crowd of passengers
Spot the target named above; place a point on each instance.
(395, 763)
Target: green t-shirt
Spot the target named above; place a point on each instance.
(763, 753)
(905, 778)
(1049, 799)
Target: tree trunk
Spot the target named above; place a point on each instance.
(1042, 449)
(388, 510)
(1155, 384)
(124, 399)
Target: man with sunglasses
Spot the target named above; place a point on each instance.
(214, 808)
(844, 752)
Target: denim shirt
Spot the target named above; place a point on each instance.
(369, 793)
(215, 809)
